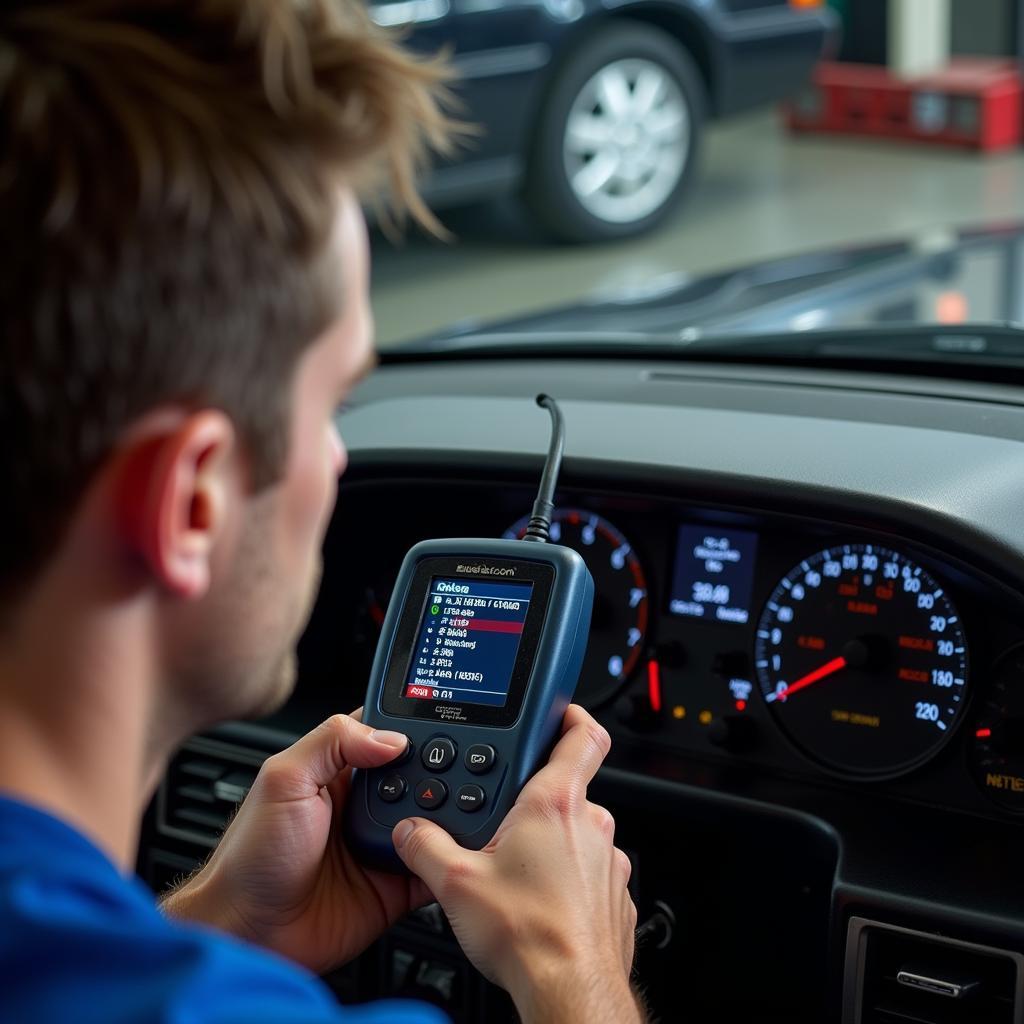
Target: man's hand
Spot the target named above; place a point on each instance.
(282, 877)
(543, 909)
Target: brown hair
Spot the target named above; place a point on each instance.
(168, 178)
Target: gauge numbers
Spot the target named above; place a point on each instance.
(862, 659)
(619, 623)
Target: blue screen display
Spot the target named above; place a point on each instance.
(468, 640)
(714, 573)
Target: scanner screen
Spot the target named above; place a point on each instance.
(467, 641)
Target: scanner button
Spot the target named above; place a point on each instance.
(391, 788)
(431, 793)
(470, 798)
(480, 758)
(437, 755)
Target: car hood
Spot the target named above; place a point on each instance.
(944, 276)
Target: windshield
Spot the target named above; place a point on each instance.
(619, 189)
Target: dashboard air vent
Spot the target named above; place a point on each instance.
(898, 976)
(204, 784)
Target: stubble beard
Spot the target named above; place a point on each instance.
(282, 673)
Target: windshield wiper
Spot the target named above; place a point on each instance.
(995, 342)
(518, 342)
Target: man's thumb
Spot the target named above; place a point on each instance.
(321, 755)
(426, 850)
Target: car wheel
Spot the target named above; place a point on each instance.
(618, 135)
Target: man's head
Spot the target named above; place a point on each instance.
(184, 297)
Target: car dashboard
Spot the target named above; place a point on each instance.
(807, 644)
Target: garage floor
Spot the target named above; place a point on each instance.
(762, 193)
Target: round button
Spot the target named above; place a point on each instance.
(431, 793)
(480, 758)
(437, 755)
(470, 798)
(391, 788)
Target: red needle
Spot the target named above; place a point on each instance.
(654, 685)
(829, 668)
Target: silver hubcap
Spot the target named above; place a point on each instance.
(627, 140)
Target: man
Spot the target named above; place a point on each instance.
(185, 304)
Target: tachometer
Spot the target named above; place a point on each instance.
(619, 621)
(862, 659)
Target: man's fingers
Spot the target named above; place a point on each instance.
(321, 755)
(576, 758)
(584, 744)
(431, 854)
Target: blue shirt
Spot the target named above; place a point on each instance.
(80, 942)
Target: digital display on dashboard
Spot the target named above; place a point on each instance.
(714, 573)
(467, 641)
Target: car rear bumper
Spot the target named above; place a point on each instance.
(767, 55)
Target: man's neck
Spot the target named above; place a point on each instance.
(75, 697)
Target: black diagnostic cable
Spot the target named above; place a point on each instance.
(539, 527)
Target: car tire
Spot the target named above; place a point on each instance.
(585, 106)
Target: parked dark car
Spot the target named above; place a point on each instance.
(594, 110)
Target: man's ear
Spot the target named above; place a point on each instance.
(178, 483)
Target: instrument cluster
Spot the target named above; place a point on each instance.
(763, 639)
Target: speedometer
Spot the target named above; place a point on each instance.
(862, 659)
